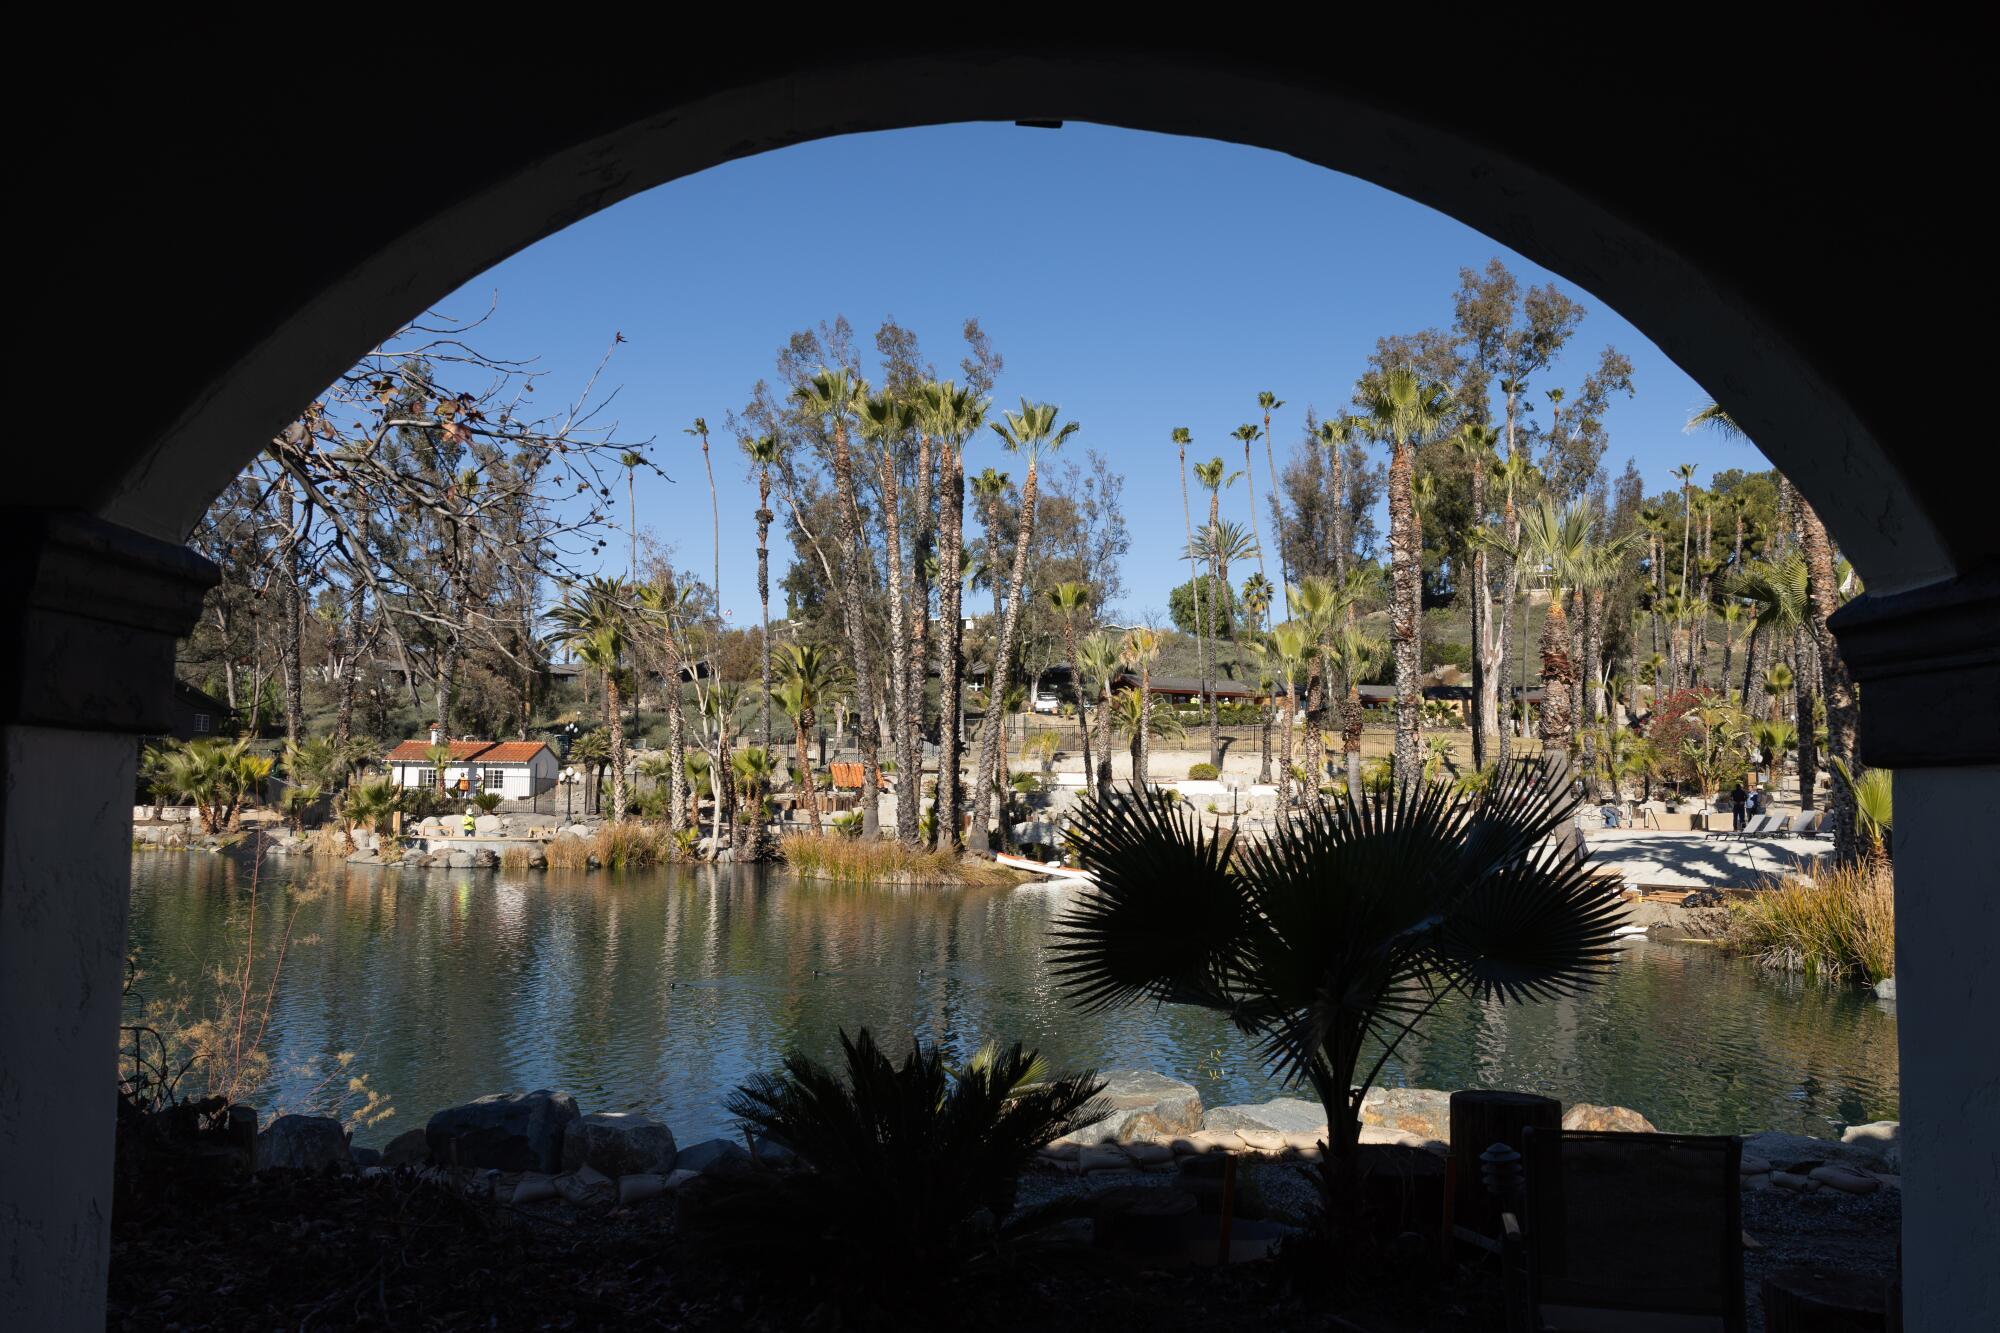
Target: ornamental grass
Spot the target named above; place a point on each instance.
(1840, 922)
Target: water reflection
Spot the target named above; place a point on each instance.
(661, 991)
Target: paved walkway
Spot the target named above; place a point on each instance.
(1652, 859)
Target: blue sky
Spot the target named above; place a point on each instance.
(1141, 281)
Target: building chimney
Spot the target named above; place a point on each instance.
(437, 733)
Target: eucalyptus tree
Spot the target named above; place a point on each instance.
(1270, 402)
(835, 397)
(951, 416)
(1028, 432)
(597, 625)
(1071, 602)
(1407, 410)
(1518, 479)
(764, 452)
(1474, 442)
(885, 422)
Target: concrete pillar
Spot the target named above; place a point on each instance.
(1947, 1005)
(88, 618)
(1928, 663)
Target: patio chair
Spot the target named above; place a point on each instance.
(1627, 1233)
(1758, 826)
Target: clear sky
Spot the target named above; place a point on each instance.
(1141, 281)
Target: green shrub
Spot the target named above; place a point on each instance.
(1202, 773)
(487, 801)
(902, 1157)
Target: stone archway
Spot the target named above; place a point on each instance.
(100, 585)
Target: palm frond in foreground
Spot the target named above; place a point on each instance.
(1331, 941)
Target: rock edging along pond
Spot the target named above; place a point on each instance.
(529, 1147)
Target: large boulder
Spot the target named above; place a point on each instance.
(506, 1131)
(1799, 1153)
(1420, 1111)
(618, 1143)
(486, 825)
(1282, 1116)
(303, 1143)
(410, 1148)
(1144, 1105)
(711, 1155)
(1614, 1119)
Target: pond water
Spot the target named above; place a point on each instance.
(660, 991)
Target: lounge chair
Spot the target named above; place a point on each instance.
(1627, 1232)
(1759, 824)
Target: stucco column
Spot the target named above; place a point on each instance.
(1928, 662)
(88, 619)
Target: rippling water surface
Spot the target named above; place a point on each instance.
(660, 991)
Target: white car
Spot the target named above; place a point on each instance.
(1047, 702)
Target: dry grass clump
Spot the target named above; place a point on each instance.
(845, 860)
(631, 845)
(331, 840)
(1840, 923)
(518, 857)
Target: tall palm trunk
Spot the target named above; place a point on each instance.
(920, 611)
(1558, 717)
(1406, 608)
(1000, 675)
(617, 721)
(1836, 682)
(903, 731)
(1104, 739)
(764, 517)
(1350, 738)
(808, 798)
(951, 621)
(1082, 708)
(1200, 624)
(853, 558)
(1142, 758)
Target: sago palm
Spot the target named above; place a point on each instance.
(1332, 939)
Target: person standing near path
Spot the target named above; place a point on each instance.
(1736, 799)
(471, 822)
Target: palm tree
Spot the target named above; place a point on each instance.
(764, 453)
(1320, 610)
(1357, 653)
(1213, 476)
(1339, 933)
(1685, 472)
(216, 775)
(886, 421)
(1071, 600)
(1408, 410)
(1100, 656)
(669, 609)
(1182, 438)
(1292, 649)
(1561, 538)
(371, 804)
(1517, 478)
(1030, 431)
(440, 756)
(1249, 434)
(700, 431)
(1144, 722)
(1777, 595)
(1257, 601)
(835, 396)
(751, 767)
(811, 678)
(631, 461)
(1140, 647)
(953, 415)
(1269, 402)
(597, 626)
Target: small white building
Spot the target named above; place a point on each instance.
(516, 770)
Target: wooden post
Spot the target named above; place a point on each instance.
(1479, 1119)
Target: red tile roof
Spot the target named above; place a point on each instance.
(513, 752)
